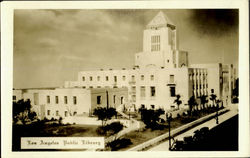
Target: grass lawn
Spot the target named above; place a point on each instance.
(50, 130)
(138, 137)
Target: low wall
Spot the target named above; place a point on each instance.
(174, 132)
(82, 120)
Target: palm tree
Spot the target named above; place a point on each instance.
(213, 97)
(191, 102)
(178, 101)
(203, 100)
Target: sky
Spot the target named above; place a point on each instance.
(52, 46)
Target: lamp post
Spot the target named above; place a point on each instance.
(169, 119)
(107, 95)
(217, 113)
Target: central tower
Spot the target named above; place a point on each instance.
(159, 44)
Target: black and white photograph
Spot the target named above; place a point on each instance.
(125, 79)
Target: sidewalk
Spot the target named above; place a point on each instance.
(210, 124)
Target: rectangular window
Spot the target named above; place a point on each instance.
(57, 113)
(133, 78)
(83, 78)
(142, 77)
(172, 91)
(122, 100)
(65, 100)
(98, 78)
(115, 78)
(48, 112)
(90, 78)
(14, 97)
(107, 78)
(133, 88)
(155, 43)
(123, 78)
(57, 100)
(48, 99)
(99, 100)
(171, 79)
(152, 89)
(114, 99)
(65, 113)
(143, 91)
(142, 106)
(74, 100)
(152, 77)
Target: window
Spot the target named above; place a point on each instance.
(48, 99)
(74, 100)
(133, 78)
(74, 113)
(99, 99)
(83, 78)
(57, 113)
(133, 88)
(57, 100)
(122, 100)
(142, 90)
(155, 43)
(65, 113)
(107, 78)
(115, 78)
(142, 77)
(172, 91)
(90, 86)
(14, 97)
(171, 79)
(152, 77)
(152, 89)
(48, 112)
(65, 100)
(98, 78)
(114, 99)
(90, 78)
(123, 78)
(152, 106)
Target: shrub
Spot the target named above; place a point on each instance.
(178, 115)
(119, 143)
(101, 130)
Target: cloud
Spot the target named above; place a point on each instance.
(47, 42)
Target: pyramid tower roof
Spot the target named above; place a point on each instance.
(160, 20)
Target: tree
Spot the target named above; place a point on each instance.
(178, 101)
(104, 114)
(114, 128)
(236, 92)
(191, 102)
(203, 100)
(22, 111)
(150, 117)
